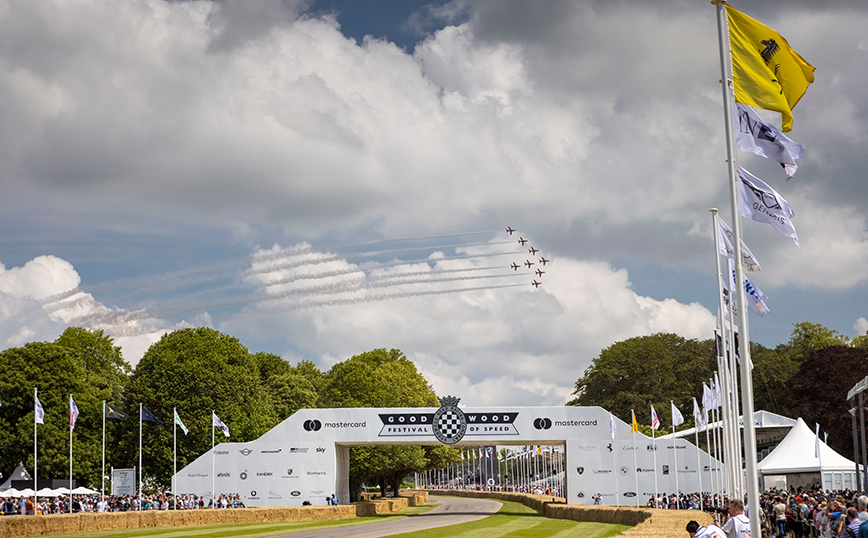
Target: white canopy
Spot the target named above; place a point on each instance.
(11, 492)
(795, 454)
(761, 420)
(46, 492)
(81, 490)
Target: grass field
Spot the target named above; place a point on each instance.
(515, 520)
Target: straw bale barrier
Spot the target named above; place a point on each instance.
(644, 522)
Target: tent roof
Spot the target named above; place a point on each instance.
(18, 474)
(761, 419)
(795, 454)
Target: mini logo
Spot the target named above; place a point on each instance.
(449, 423)
(624, 470)
(542, 423)
(629, 494)
(580, 470)
(295, 493)
(245, 451)
(243, 475)
(609, 447)
(312, 425)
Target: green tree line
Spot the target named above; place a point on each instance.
(195, 371)
(807, 376)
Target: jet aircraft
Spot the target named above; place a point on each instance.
(533, 251)
(522, 240)
(540, 273)
(535, 284)
(515, 266)
(509, 230)
(528, 263)
(543, 260)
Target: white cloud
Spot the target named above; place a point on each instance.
(861, 326)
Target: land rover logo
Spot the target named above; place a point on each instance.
(580, 470)
(449, 422)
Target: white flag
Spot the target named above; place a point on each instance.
(725, 236)
(718, 400)
(697, 415)
(817, 441)
(677, 417)
(612, 427)
(760, 202)
(655, 422)
(756, 299)
(73, 413)
(184, 428)
(40, 413)
(215, 421)
(754, 134)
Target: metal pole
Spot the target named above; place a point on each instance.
(862, 426)
(102, 469)
(174, 455)
(140, 455)
(35, 483)
(856, 448)
(744, 340)
(69, 508)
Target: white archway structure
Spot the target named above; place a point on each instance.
(306, 457)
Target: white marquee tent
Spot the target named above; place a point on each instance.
(795, 458)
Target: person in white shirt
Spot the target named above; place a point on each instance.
(695, 530)
(737, 525)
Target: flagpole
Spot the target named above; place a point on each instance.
(69, 508)
(711, 465)
(102, 469)
(35, 489)
(675, 461)
(213, 465)
(140, 455)
(174, 454)
(635, 460)
(654, 452)
(744, 339)
(698, 465)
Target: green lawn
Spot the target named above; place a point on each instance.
(248, 530)
(516, 520)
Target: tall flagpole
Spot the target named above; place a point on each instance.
(675, 462)
(744, 338)
(35, 489)
(102, 470)
(654, 452)
(174, 454)
(698, 465)
(213, 465)
(140, 455)
(69, 508)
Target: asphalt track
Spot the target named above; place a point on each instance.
(452, 511)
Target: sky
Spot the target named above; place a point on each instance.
(322, 178)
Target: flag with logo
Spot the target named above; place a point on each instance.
(718, 400)
(755, 135)
(215, 421)
(698, 416)
(767, 73)
(756, 299)
(113, 412)
(181, 424)
(761, 203)
(73, 413)
(148, 416)
(725, 236)
(612, 426)
(677, 417)
(38, 410)
(655, 422)
(635, 427)
(707, 402)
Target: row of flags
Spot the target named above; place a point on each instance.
(115, 413)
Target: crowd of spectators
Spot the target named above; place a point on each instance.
(126, 503)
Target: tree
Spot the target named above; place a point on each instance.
(818, 392)
(288, 388)
(379, 378)
(85, 364)
(196, 371)
(647, 370)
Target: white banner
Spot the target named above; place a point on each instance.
(124, 481)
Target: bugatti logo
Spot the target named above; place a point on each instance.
(449, 422)
(580, 470)
(312, 425)
(542, 423)
(245, 451)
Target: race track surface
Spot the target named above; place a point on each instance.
(452, 510)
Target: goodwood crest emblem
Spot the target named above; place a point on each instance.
(449, 423)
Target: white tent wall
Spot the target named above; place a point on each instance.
(306, 457)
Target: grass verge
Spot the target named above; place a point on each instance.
(515, 520)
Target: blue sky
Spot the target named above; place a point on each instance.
(159, 154)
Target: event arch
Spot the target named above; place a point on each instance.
(306, 457)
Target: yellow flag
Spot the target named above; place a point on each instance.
(635, 428)
(767, 73)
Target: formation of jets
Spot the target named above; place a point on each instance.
(527, 263)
